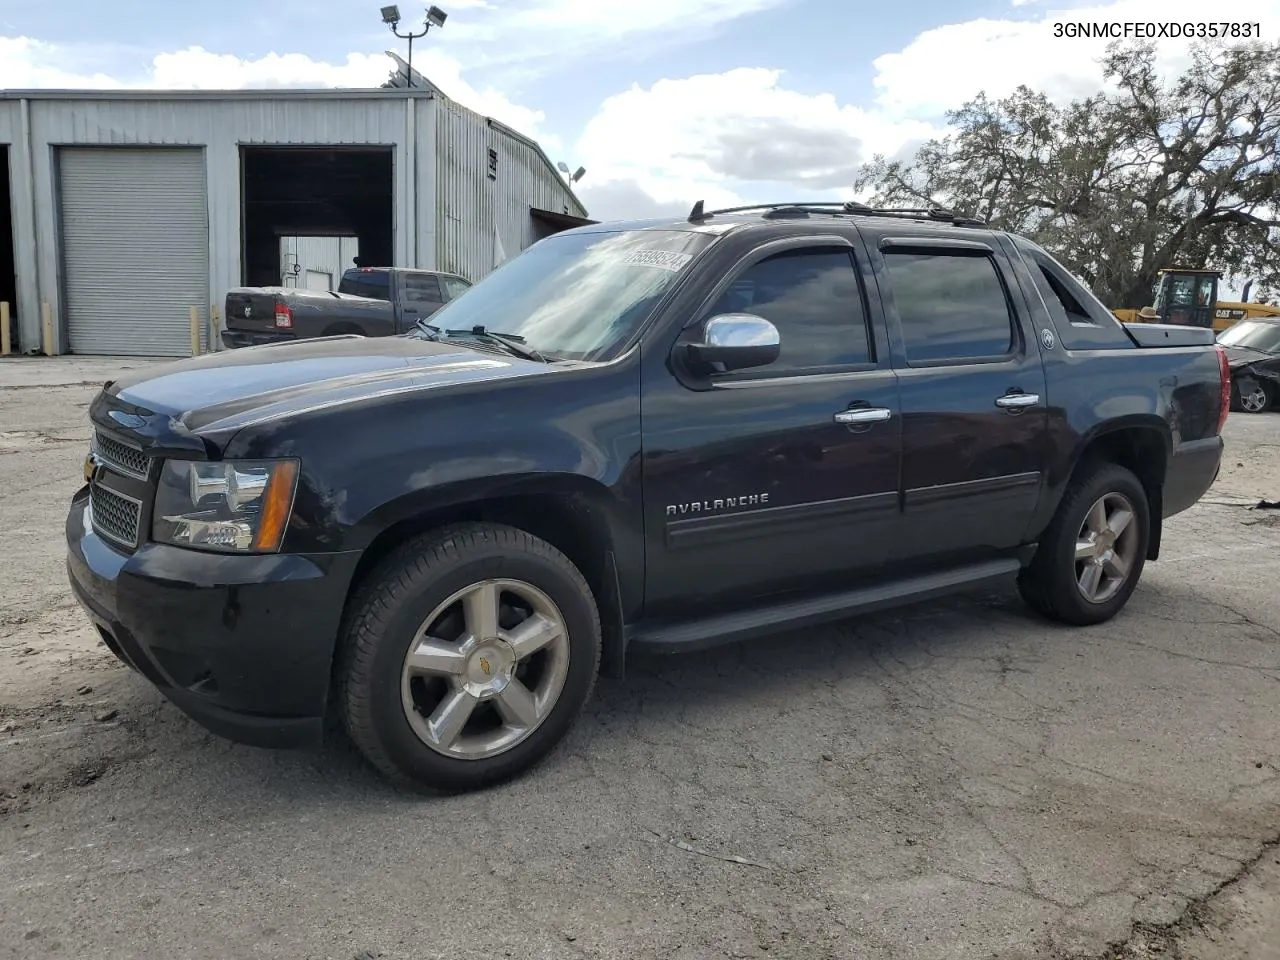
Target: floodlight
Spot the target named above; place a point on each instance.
(577, 174)
(436, 16)
(562, 167)
(391, 15)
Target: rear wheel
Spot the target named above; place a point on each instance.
(1091, 557)
(1250, 396)
(469, 654)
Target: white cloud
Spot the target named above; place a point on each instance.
(541, 35)
(716, 136)
(198, 69)
(744, 133)
(30, 64)
(998, 55)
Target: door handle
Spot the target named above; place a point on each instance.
(1016, 401)
(864, 415)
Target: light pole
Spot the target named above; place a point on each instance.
(391, 17)
(573, 177)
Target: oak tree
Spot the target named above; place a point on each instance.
(1150, 172)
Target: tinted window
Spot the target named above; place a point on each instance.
(364, 282)
(813, 298)
(454, 287)
(1074, 309)
(419, 286)
(951, 306)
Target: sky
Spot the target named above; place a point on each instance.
(664, 102)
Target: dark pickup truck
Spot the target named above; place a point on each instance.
(655, 436)
(370, 301)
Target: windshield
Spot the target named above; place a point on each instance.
(576, 296)
(1264, 337)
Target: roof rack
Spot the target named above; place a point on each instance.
(778, 211)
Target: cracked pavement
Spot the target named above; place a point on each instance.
(959, 780)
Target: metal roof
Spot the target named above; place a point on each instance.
(402, 82)
(133, 93)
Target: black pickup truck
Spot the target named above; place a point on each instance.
(370, 301)
(654, 436)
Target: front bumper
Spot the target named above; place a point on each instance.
(242, 644)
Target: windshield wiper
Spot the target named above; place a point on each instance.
(430, 331)
(512, 341)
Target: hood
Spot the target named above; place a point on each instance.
(1243, 356)
(170, 406)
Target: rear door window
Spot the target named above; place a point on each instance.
(366, 282)
(420, 288)
(951, 306)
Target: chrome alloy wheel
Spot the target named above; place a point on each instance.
(485, 669)
(1255, 400)
(1106, 548)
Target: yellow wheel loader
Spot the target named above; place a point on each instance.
(1189, 296)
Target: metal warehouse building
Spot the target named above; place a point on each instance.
(121, 211)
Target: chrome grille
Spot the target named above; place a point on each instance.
(121, 457)
(115, 516)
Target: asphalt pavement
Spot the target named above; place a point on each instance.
(958, 780)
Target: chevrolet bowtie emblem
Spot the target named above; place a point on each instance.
(90, 465)
(484, 665)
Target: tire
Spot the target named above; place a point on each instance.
(1258, 400)
(1051, 584)
(389, 700)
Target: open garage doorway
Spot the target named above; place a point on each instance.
(313, 192)
(8, 266)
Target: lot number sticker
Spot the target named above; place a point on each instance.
(662, 259)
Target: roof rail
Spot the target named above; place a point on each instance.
(836, 208)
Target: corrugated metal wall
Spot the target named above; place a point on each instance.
(479, 220)
(475, 215)
(220, 125)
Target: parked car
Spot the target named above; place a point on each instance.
(370, 301)
(1253, 353)
(661, 437)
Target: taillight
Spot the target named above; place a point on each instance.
(1224, 387)
(284, 316)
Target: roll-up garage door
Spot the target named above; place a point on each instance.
(135, 249)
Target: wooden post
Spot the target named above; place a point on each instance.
(213, 327)
(195, 331)
(46, 324)
(4, 328)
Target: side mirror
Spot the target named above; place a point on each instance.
(734, 341)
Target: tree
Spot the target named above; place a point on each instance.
(1145, 175)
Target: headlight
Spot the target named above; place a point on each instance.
(238, 506)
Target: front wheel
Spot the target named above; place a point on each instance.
(1091, 557)
(469, 654)
(1250, 396)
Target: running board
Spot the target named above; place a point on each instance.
(689, 635)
